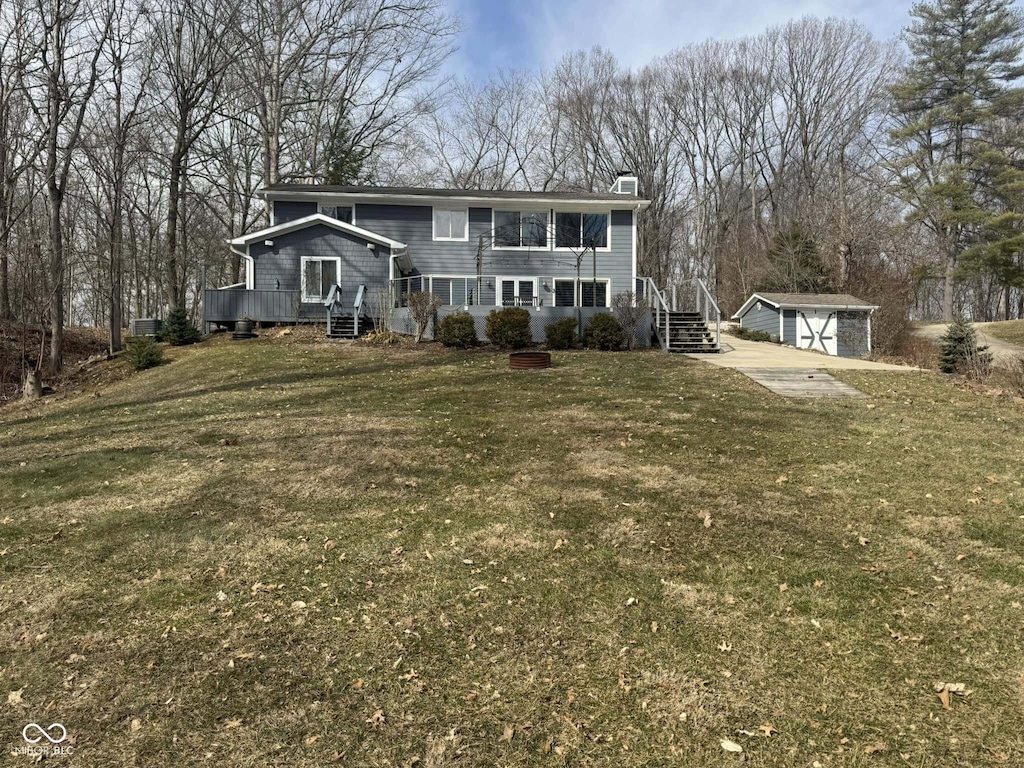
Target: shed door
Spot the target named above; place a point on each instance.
(817, 330)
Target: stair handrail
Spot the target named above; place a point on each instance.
(660, 307)
(707, 306)
(356, 306)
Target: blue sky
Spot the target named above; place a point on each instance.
(520, 34)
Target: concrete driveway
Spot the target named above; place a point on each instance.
(1001, 350)
(740, 353)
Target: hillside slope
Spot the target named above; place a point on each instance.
(311, 554)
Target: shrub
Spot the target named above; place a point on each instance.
(561, 334)
(604, 332)
(143, 352)
(632, 314)
(178, 331)
(422, 308)
(751, 335)
(509, 328)
(960, 351)
(457, 330)
(1014, 374)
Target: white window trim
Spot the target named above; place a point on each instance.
(306, 297)
(498, 280)
(521, 209)
(466, 279)
(608, 236)
(578, 294)
(433, 224)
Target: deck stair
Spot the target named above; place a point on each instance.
(694, 330)
(687, 332)
(345, 326)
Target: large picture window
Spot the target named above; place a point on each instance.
(520, 229)
(581, 230)
(318, 277)
(451, 223)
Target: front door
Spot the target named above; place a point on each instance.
(817, 330)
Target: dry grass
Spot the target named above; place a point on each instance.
(1008, 330)
(287, 552)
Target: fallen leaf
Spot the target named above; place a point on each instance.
(783, 587)
(14, 697)
(508, 733)
(376, 720)
(136, 725)
(870, 750)
(731, 746)
(298, 605)
(232, 724)
(767, 729)
(944, 698)
(781, 479)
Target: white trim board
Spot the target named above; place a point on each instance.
(796, 305)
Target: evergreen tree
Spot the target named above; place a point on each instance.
(345, 163)
(178, 331)
(960, 348)
(965, 60)
(796, 262)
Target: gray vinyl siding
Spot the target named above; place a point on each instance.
(289, 210)
(278, 267)
(765, 319)
(789, 326)
(852, 336)
(413, 225)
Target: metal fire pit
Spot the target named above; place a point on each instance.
(529, 361)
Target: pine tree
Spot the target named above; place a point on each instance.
(178, 331)
(960, 348)
(965, 58)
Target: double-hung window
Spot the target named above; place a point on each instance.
(581, 230)
(451, 224)
(318, 277)
(520, 229)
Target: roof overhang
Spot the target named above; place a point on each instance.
(799, 305)
(312, 220)
(470, 200)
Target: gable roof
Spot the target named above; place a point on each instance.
(313, 219)
(424, 194)
(806, 301)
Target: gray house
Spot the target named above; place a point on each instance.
(834, 323)
(351, 256)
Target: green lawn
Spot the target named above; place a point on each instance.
(306, 554)
(1008, 330)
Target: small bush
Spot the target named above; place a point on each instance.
(1014, 374)
(961, 353)
(457, 330)
(509, 328)
(604, 332)
(561, 334)
(751, 335)
(143, 352)
(178, 331)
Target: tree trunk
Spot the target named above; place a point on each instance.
(174, 297)
(948, 285)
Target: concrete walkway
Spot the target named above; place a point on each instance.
(1001, 350)
(740, 353)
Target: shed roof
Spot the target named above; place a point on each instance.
(807, 301)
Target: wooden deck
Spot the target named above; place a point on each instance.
(231, 304)
(800, 382)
